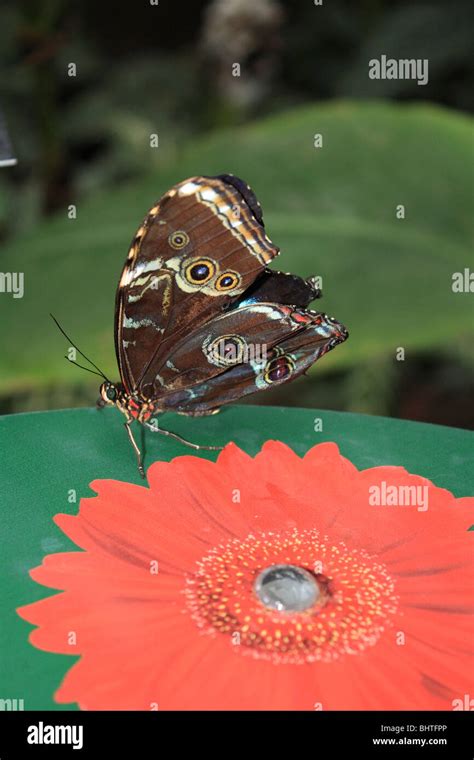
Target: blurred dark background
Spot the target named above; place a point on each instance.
(141, 69)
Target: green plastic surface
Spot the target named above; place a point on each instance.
(46, 455)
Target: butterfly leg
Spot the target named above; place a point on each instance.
(177, 437)
(135, 448)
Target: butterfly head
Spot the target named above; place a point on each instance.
(109, 393)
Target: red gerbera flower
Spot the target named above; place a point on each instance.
(277, 582)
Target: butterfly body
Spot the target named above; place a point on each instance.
(133, 407)
(200, 319)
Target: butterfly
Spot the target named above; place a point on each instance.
(200, 319)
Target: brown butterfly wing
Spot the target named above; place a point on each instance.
(284, 360)
(235, 337)
(280, 287)
(197, 251)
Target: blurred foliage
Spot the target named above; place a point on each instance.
(76, 134)
(437, 31)
(144, 69)
(332, 211)
(327, 49)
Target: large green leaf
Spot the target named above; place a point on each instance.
(48, 456)
(332, 210)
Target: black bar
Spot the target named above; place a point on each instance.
(138, 734)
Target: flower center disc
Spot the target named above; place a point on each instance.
(287, 588)
(292, 597)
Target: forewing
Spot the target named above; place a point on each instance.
(198, 249)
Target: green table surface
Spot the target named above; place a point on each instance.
(46, 454)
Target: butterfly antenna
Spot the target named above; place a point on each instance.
(87, 369)
(99, 371)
